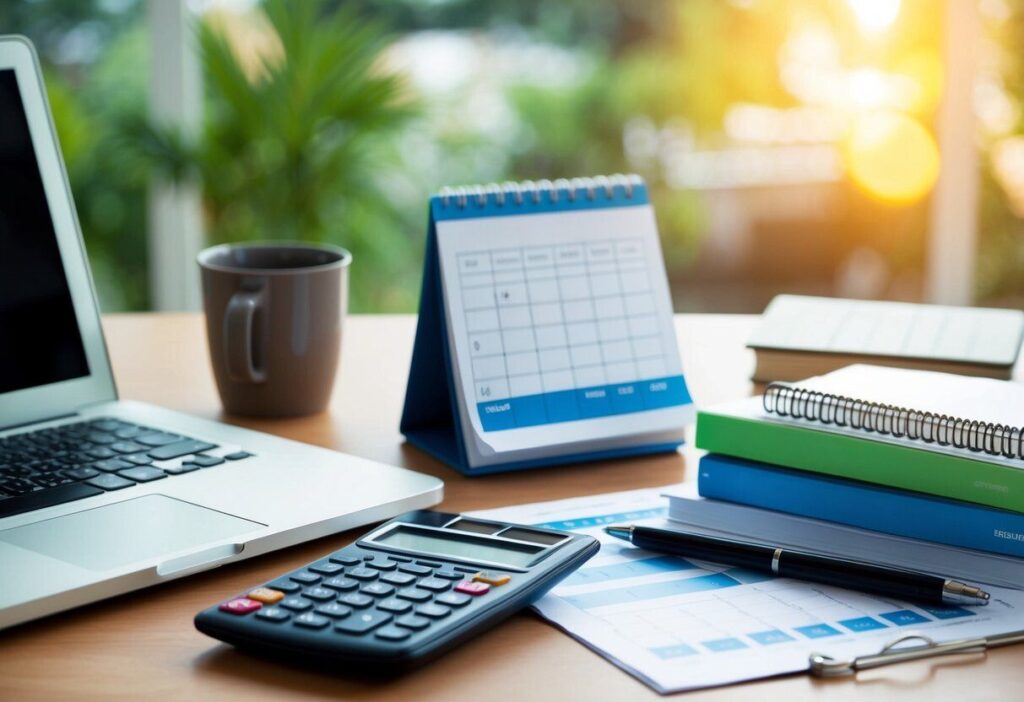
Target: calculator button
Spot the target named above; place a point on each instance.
(433, 611)
(393, 604)
(326, 568)
(334, 610)
(272, 614)
(414, 595)
(240, 605)
(400, 579)
(368, 557)
(378, 589)
(492, 579)
(454, 599)
(392, 633)
(285, 586)
(340, 584)
(429, 564)
(411, 621)
(296, 604)
(305, 578)
(266, 595)
(448, 574)
(362, 574)
(362, 622)
(473, 588)
(434, 584)
(320, 594)
(354, 599)
(414, 569)
(311, 621)
(400, 559)
(383, 565)
(344, 560)
(462, 569)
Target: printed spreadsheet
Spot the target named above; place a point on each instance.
(561, 327)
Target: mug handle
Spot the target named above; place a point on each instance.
(238, 333)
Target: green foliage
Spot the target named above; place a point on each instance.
(108, 181)
(293, 149)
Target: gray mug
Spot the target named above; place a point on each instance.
(274, 316)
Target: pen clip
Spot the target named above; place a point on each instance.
(823, 666)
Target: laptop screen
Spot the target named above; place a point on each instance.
(39, 338)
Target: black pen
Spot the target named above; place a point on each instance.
(784, 563)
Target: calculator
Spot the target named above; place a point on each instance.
(402, 594)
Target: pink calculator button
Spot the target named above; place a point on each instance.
(240, 605)
(471, 588)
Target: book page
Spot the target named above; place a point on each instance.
(561, 330)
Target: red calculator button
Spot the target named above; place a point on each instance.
(471, 588)
(240, 605)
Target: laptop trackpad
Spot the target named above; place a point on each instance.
(127, 532)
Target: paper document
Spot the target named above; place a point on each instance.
(680, 625)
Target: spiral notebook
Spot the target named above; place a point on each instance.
(937, 433)
(545, 332)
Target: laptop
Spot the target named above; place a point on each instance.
(99, 496)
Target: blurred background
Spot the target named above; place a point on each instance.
(858, 148)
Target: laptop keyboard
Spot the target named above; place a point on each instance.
(74, 461)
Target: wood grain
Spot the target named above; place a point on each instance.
(143, 645)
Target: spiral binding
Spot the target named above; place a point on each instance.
(463, 196)
(891, 420)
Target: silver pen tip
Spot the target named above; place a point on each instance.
(619, 532)
(965, 594)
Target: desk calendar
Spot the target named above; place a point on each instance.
(545, 332)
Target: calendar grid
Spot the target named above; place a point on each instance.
(563, 332)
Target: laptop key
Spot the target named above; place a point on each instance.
(180, 469)
(178, 449)
(157, 438)
(111, 465)
(237, 455)
(204, 461)
(83, 473)
(139, 459)
(142, 474)
(46, 498)
(109, 481)
(101, 452)
(99, 437)
(127, 447)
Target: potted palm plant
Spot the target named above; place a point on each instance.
(299, 105)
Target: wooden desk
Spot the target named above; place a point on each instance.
(143, 645)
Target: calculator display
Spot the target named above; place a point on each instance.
(459, 545)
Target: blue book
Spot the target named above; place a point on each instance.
(545, 331)
(863, 505)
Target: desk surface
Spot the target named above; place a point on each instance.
(143, 645)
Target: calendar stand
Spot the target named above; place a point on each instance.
(522, 312)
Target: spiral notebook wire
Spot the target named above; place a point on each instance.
(991, 438)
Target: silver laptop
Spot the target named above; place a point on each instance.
(100, 496)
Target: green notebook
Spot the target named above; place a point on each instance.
(935, 433)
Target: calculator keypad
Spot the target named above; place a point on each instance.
(356, 594)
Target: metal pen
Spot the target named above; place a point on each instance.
(785, 563)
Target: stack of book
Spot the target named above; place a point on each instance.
(799, 337)
(915, 454)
